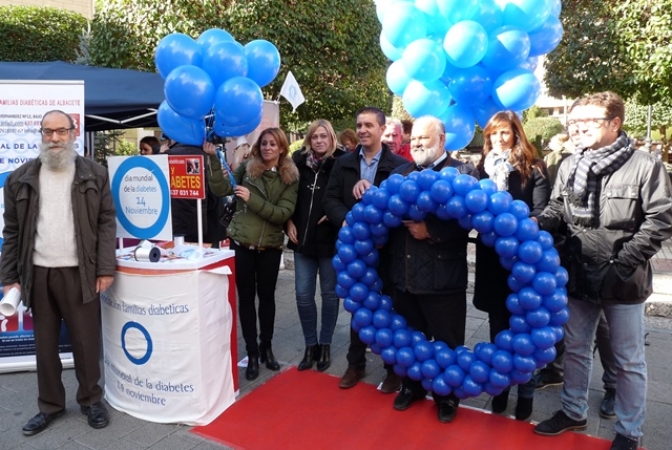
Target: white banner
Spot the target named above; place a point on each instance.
(166, 339)
(22, 105)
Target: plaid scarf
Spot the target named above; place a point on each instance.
(582, 183)
(314, 161)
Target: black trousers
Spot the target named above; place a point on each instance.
(57, 296)
(256, 275)
(442, 317)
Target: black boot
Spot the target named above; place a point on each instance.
(266, 355)
(308, 358)
(325, 358)
(500, 402)
(252, 371)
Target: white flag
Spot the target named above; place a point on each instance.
(291, 91)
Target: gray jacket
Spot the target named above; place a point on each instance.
(610, 263)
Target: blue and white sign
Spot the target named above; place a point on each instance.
(141, 195)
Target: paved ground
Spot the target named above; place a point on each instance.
(70, 432)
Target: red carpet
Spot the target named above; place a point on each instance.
(302, 410)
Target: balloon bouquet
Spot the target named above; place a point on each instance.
(213, 72)
(459, 60)
(464, 60)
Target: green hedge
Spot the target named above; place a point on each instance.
(31, 33)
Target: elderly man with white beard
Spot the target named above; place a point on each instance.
(429, 266)
(59, 239)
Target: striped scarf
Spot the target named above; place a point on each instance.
(582, 183)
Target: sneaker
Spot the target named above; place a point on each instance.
(607, 406)
(546, 378)
(558, 424)
(624, 443)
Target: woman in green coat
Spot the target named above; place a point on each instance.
(266, 187)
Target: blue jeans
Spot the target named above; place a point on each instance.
(626, 329)
(305, 277)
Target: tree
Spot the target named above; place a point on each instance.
(540, 130)
(636, 117)
(331, 47)
(31, 33)
(623, 46)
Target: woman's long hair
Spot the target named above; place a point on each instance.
(280, 139)
(523, 154)
(330, 131)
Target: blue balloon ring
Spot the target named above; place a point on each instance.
(538, 299)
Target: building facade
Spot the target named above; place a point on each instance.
(84, 7)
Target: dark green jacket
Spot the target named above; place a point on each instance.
(94, 218)
(259, 222)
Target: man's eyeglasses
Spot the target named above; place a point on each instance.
(59, 131)
(595, 122)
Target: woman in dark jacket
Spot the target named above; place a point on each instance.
(312, 237)
(510, 161)
(265, 188)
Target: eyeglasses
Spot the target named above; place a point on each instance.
(595, 122)
(59, 131)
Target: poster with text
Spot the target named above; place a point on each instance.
(141, 194)
(22, 105)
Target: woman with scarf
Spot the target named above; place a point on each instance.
(265, 186)
(313, 237)
(509, 160)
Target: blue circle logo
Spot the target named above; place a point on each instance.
(148, 338)
(142, 163)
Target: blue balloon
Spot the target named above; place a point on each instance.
(545, 38)
(460, 127)
(356, 268)
(555, 302)
(405, 356)
(238, 101)
(404, 23)
(543, 337)
(513, 305)
(502, 361)
(422, 99)
(189, 91)
(372, 301)
(389, 354)
(440, 386)
(476, 201)
(470, 86)
(364, 247)
(213, 36)
(363, 317)
(384, 338)
(488, 239)
(466, 43)
(424, 60)
(523, 272)
(176, 50)
(483, 222)
(383, 7)
(479, 371)
(463, 184)
(179, 128)
(425, 203)
(544, 283)
(523, 345)
(393, 53)
(549, 262)
(423, 351)
(529, 299)
(402, 338)
(490, 15)
(527, 230)
(556, 8)
(516, 89)
(409, 191)
(350, 305)
(221, 129)
(485, 110)
(538, 318)
(368, 334)
(505, 225)
(518, 324)
(471, 387)
(382, 318)
(454, 375)
(454, 11)
(358, 292)
(225, 60)
(545, 239)
(413, 372)
(397, 78)
(530, 252)
(441, 191)
(508, 47)
(527, 14)
(263, 61)
(436, 25)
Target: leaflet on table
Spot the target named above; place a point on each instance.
(185, 252)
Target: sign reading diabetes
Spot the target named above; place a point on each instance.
(187, 176)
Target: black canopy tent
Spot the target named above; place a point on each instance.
(113, 98)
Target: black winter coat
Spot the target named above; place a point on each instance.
(338, 198)
(314, 240)
(183, 211)
(431, 266)
(491, 287)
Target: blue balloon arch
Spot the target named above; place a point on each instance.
(538, 302)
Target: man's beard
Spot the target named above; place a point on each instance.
(424, 156)
(57, 156)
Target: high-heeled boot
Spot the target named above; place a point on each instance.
(308, 358)
(266, 355)
(325, 358)
(252, 371)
